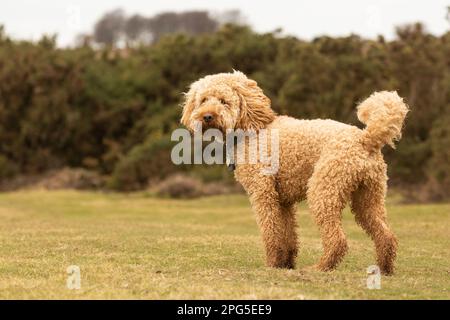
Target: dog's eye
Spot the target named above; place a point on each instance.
(222, 101)
(203, 100)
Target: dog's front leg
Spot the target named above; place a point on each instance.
(273, 227)
(277, 223)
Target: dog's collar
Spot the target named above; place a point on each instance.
(231, 166)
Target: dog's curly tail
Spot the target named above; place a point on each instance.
(383, 113)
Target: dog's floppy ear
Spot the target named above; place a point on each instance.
(255, 110)
(188, 105)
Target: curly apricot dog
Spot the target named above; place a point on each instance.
(326, 162)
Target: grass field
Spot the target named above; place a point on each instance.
(136, 246)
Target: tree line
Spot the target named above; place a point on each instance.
(116, 28)
(113, 110)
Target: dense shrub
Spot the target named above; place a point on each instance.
(7, 168)
(144, 162)
(179, 186)
(182, 186)
(65, 178)
(439, 165)
(68, 178)
(112, 110)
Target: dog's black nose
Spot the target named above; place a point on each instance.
(208, 117)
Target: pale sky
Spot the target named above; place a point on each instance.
(29, 19)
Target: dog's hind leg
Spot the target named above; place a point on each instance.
(327, 211)
(289, 216)
(370, 213)
(329, 189)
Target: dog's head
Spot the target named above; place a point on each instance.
(226, 101)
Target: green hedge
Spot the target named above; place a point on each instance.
(109, 110)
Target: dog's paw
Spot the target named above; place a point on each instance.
(281, 265)
(281, 259)
(387, 271)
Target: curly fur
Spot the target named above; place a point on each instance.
(323, 161)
